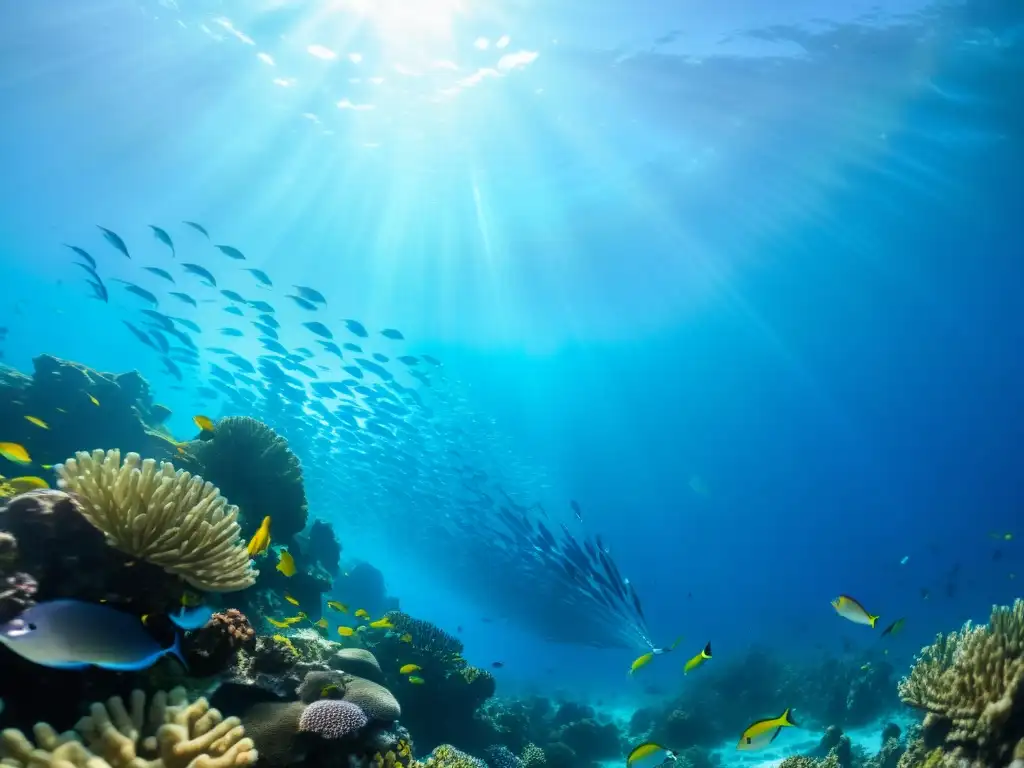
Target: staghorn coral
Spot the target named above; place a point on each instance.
(173, 733)
(332, 719)
(969, 682)
(257, 469)
(168, 518)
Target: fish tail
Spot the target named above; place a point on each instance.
(175, 651)
(872, 619)
(787, 718)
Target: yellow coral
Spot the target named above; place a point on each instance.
(168, 518)
(172, 734)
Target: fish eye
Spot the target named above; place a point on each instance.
(32, 627)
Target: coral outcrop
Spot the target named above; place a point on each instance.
(171, 733)
(168, 518)
(256, 469)
(969, 682)
(82, 407)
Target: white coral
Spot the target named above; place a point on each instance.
(172, 519)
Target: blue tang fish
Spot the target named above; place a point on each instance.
(190, 619)
(70, 634)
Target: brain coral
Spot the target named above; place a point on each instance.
(970, 683)
(168, 518)
(375, 700)
(332, 719)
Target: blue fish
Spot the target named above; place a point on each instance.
(70, 634)
(190, 619)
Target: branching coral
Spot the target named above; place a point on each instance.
(970, 684)
(168, 518)
(172, 734)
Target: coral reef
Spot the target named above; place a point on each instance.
(447, 676)
(83, 408)
(332, 719)
(168, 518)
(172, 733)
(322, 547)
(969, 682)
(215, 646)
(256, 469)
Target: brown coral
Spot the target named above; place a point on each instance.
(969, 682)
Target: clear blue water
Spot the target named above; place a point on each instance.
(743, 279)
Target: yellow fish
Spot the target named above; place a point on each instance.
(384, 623)
(361, 614)
(205, 423)
(641, 662)
(37, 422)
(260, 540)
(408, 669)
(287, 563)
(291, 599)
(346, 631)
(23, 484)
(46, 466)
(406, 638)
(761, 733)
(322, 624)
(335, 605)
(417, 680)
(93, 400)
(285, 641)
(850, 609)
(16, 453)
(697, 660)
(278, 624)
(648, 755)
(328, 690)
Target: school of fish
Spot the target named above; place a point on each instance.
(385, 435)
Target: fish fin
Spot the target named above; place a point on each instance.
(707, 650)
(175, 651)
(775, 735)
(787, 718)
(873, 620)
